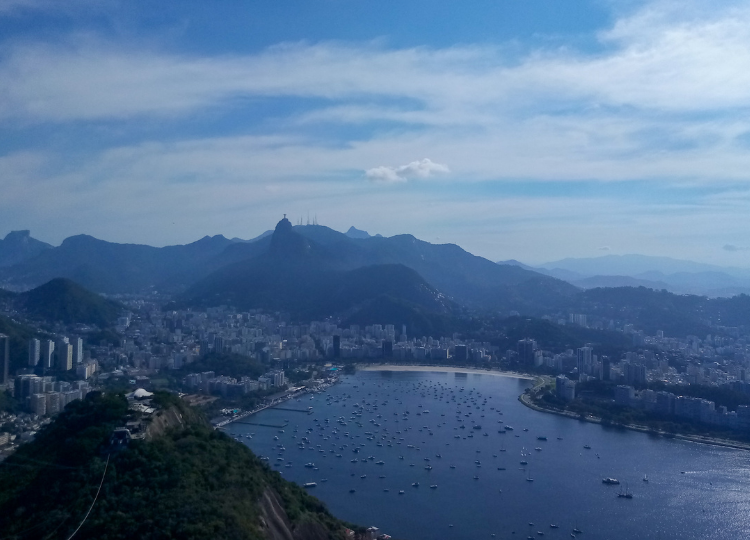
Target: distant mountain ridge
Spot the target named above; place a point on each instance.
(631, 265)
(114, 268)
(676, 276)
(353, 232)
(129, 268)
(19, 246)
(305, 278)
(62, 300)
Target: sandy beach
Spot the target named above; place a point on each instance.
(442, 369)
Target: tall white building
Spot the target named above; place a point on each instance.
(64, 356)
(35, 351)
(585, 359)
(48, 353)
(4, 358)
(77, 351)
(53, 403)
(39, 404)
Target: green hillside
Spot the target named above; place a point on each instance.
(19, 335)
(67, 302)
(188, 482)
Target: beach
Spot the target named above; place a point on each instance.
(443, 369)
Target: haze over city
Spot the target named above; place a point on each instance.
(517, 130)
(374, 269)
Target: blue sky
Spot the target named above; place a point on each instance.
(529, 129)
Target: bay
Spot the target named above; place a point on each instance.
(694, 491)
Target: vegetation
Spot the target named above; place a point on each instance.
(19, 336)
(559, 338)
(189, 483)
(227, 364)
(107, 335)
(675, 314)
(594, 399)
(67, 302)
(419, 321)
(8, 404)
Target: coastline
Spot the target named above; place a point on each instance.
(727, 443)
(443, 369)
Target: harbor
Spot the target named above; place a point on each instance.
(273, 403)
(379, 440)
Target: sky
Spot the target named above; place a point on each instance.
(518, 129)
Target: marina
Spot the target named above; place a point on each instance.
(379, 419)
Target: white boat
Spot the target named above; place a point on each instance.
(309, 485)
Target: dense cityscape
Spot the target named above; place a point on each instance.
(152, 342)
(315, 270)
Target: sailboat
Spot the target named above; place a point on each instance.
(625, 494)
(528, 476)
(645, 478)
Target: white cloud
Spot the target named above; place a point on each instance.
(658, 58)
(416, 169)
(663, 100)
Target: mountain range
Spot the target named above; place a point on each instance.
(674, 275)
(463, 278)
(64, 301)
(312, 272)
(19, 246)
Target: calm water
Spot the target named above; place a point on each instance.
(711, 499)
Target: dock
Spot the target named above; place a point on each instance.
(280, 426)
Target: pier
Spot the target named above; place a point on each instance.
(262, 424)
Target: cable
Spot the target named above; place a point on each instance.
(94, 501)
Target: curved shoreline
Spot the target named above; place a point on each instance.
(525, 399)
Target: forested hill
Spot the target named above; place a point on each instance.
(190, 482)
(19, 336)
(65, 301)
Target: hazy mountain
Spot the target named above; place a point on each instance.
(298, 275)
(652, 310)
(121, 268)
(674, 275)
(632, 265)
(259, 237)
(115, 268)
(618, 281)
(466, 278)
(558, 273)
(353, 232)
(19, 246)
(62, 300)
(513, 262)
